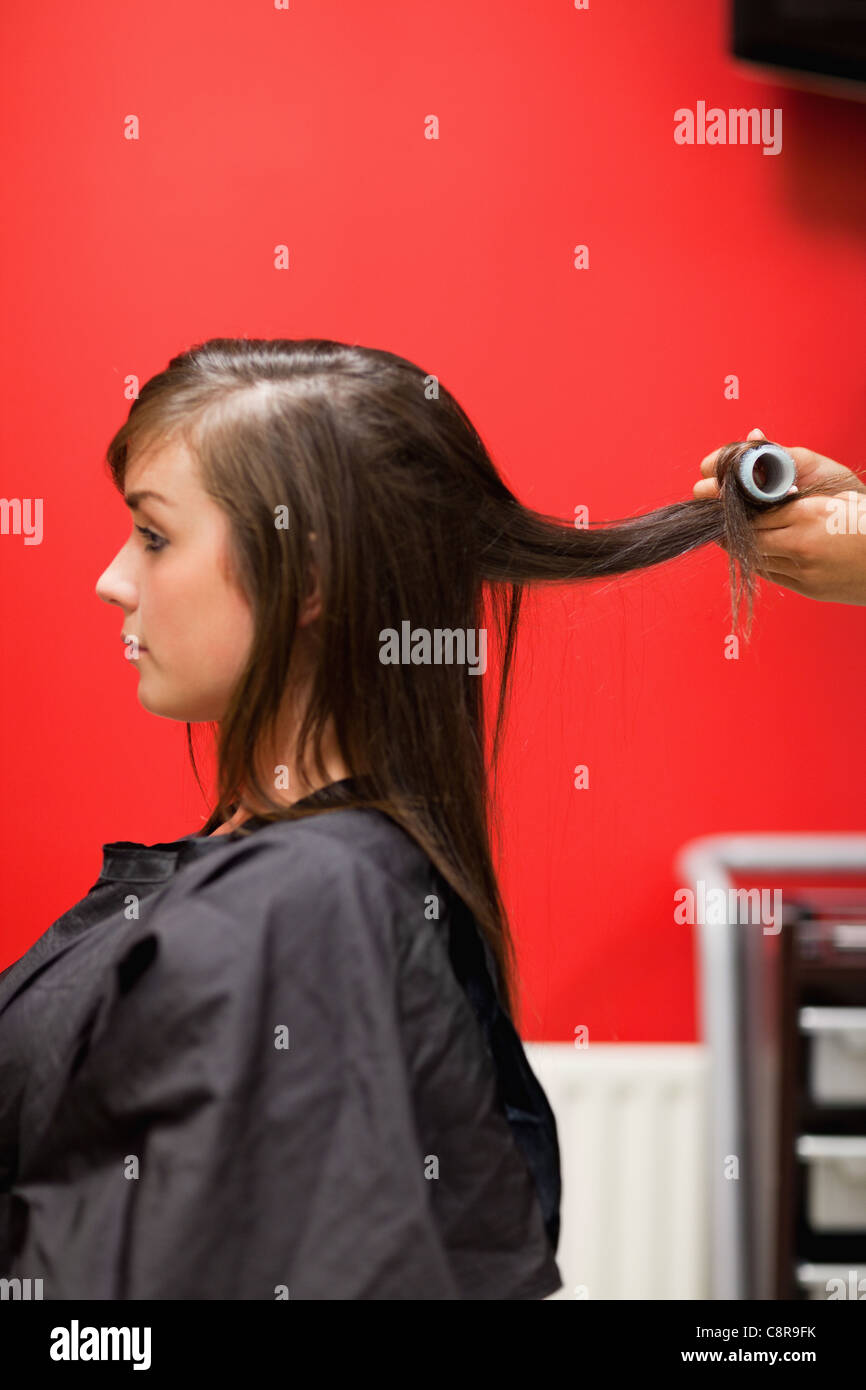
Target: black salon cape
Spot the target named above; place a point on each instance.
(157, 1143)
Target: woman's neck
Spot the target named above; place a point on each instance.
(334, 766)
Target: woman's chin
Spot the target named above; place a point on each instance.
(187, 711)
(165, 708)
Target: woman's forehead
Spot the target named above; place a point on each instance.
(164, 473)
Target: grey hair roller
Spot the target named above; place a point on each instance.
(775, 468)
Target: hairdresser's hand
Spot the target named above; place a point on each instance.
(815, 546)
(811, 468)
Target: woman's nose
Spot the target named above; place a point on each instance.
(114, 586)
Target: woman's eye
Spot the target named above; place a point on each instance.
(147, 533)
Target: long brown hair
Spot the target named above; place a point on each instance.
(411, 521)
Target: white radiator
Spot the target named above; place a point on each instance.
(632, 1122)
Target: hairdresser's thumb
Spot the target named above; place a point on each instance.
(756, 434)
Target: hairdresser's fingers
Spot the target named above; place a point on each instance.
(778, 549)
(781, 564)
(801, 514)
(708, 464)
(706, 488)
(780, 517)
(817, 468)
(812, 467)
(786, 582)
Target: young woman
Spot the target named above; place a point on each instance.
(276, 1058)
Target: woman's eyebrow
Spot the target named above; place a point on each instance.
(132, 499)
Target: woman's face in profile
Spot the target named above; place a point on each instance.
(193, 625)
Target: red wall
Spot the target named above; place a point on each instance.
(603, 386)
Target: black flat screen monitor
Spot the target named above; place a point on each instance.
(824, 38)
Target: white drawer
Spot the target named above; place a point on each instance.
(833, 1281)
(837, 1054)
(835, 1180)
